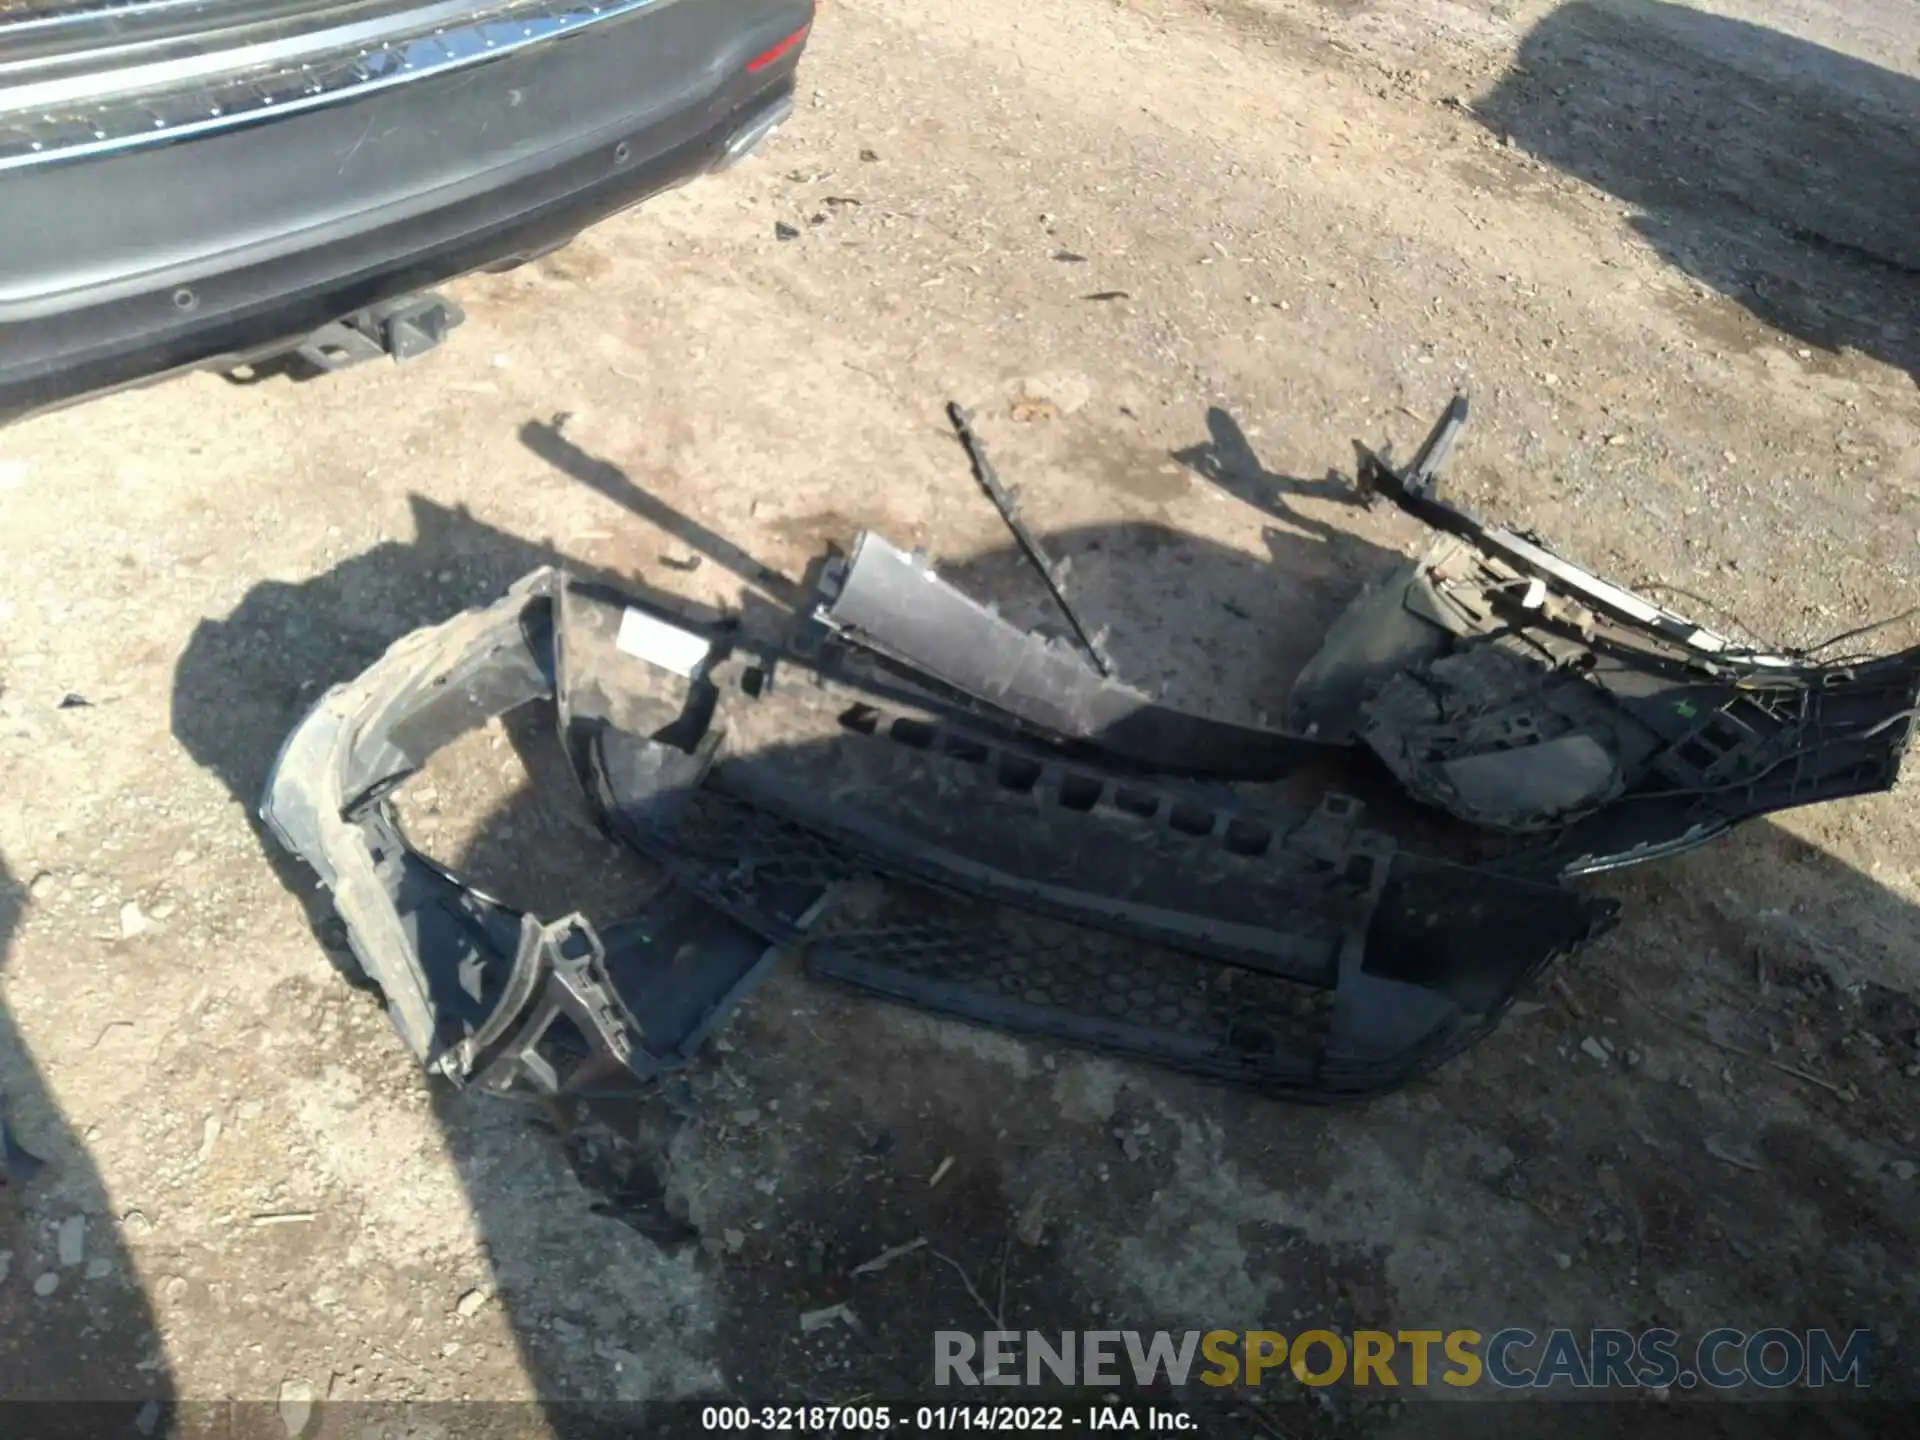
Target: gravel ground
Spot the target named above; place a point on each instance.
(1179, 255)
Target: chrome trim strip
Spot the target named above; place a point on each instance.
(349, 67)
(105, 83)
(124, 17)
(746, 140)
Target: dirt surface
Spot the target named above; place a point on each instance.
(1178, 255)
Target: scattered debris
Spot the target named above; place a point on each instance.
(996, 1316)
(869, 156)
(132, 921)
(6, 1265)
(71, 701)
(1738, 1156)
(783, 231)
(1068, 257)
(1699, 1034)
(734, 1240)
(1592, 1047)
(286, 1217)
(147, 1419)
(1030, 1228)
(70, 1240)
(812, 1320)
(209, 1137)
(887, 1257)
(940, 1172)
(1029, 408)
(1108, 295)
(1903, 1169)
(471, 1303)
(1568, 998)
(108, 1029)
(46, 1284)
(296, 1407)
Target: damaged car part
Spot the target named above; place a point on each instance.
(635, 706)
(818, 788)
(894, 603)
(939, 808)
(475, 987)
(1052, 571)
(1424, 983)
(767, 786)
(1524, 695)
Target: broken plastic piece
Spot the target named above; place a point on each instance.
(476, 989)
(1516, 691)
(1052, 571)
(886, 599)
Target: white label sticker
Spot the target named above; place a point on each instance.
(659, 643)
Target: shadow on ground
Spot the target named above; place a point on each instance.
(75, 1323)
(804, 1144)
(1784, 175)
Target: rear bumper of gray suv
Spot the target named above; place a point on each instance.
(143, 234)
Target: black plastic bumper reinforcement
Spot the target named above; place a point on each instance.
(1433, 973)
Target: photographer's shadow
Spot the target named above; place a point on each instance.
(75, 1323)
(1781, 173)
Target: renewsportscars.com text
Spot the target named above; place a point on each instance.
(1508, 1359)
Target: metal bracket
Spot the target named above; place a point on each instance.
(405, 329)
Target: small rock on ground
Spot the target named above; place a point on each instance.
(71, 1240)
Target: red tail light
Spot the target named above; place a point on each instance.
(786, 46)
